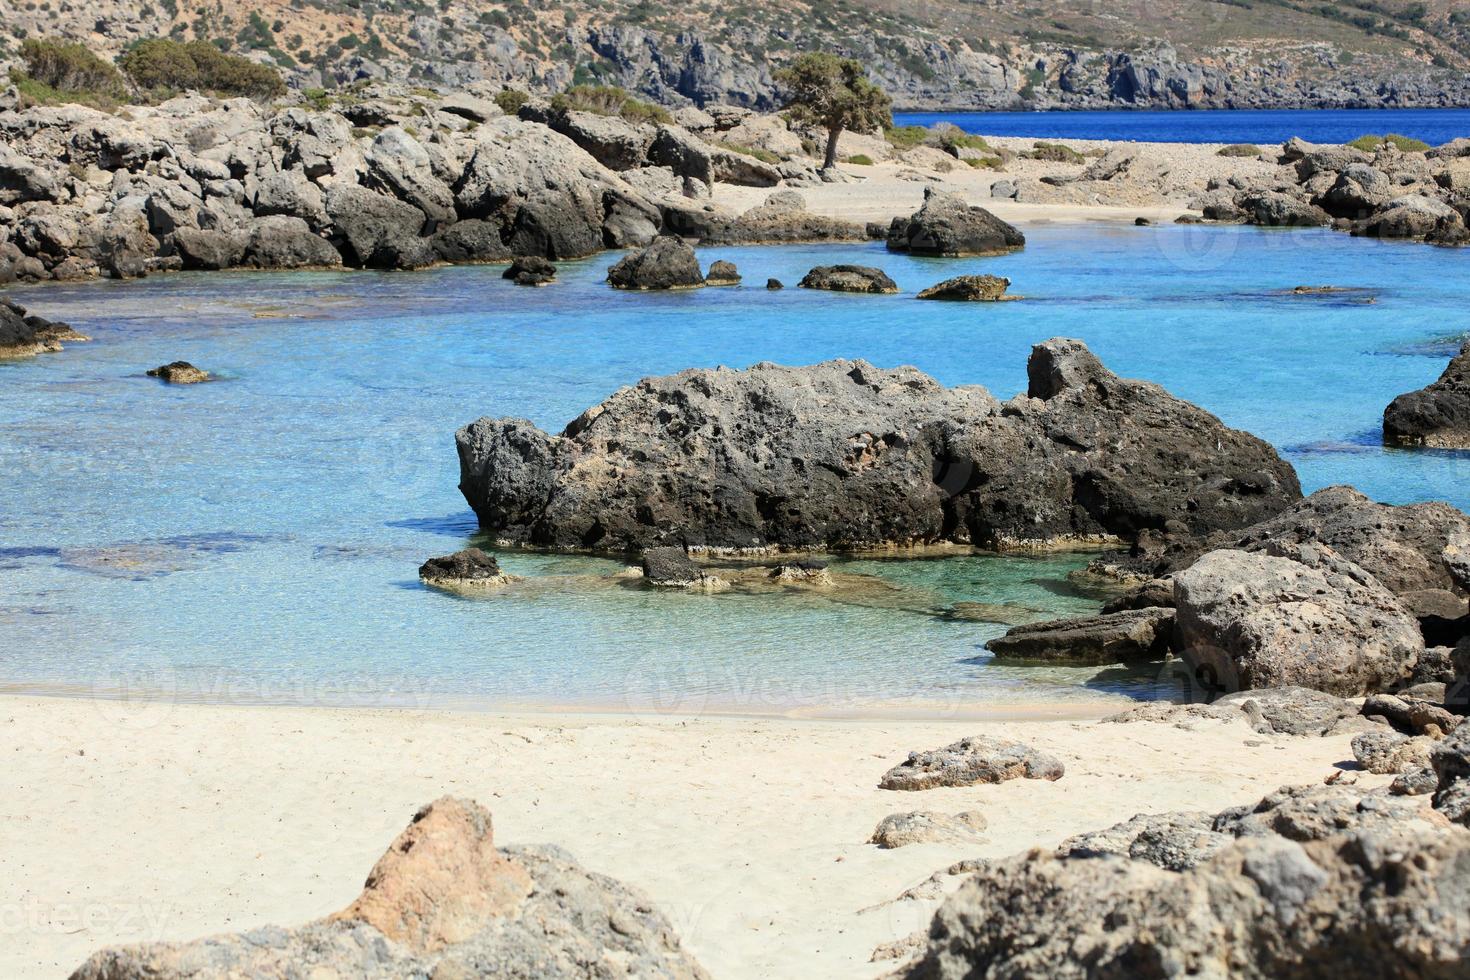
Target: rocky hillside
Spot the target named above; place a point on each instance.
(947, 53)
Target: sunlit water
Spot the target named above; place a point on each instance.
(1262, 126)
(257, 539)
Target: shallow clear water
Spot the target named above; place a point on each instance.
(1263, 126)
(258, 538)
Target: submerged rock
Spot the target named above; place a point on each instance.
(985, 289)
(849, 279)
(946, 225)
(442, 902)
(977, 759)
(669, 263)
(928, 827)
(467, 569)
(179, 373)
(1436, 416)
(775, 284)
(1134, 634)
(843, 455)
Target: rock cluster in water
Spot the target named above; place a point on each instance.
(443, 901)
(845, 455)
(25, 335)
(1437, 416)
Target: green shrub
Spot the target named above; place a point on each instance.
(317, 97)
(765, 156)
(164, 65)
(62, 71)
(1239, 150)
(1372, 144)
(609, 100)
(987, 163)
(1054, 153)
(905, 137)
(510, 100)
(860, 160)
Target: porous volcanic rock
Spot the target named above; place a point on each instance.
(843, 455)
(179, 373)
(977, 759)
(467, 569)
(849, 279)
(928, 827)
(981, 289)
(23, 335)
(530, 270)
(442, 902)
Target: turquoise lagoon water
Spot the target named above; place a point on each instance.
(257, 539)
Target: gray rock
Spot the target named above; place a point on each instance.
(1276, 209)
(722, 273)
(1293, 711)
(376, 231)
(669, 263)
(1451, 762)
(844, 455)
(1436, 416)
(1415, 782)
(985, 289)
(179, 373)
(670, 566)
(442, 902)
(472, 240)
(1414, 716)
(1176, 841)
(782, 217)
(928, 827)
(290, 193)
(202, 249)
(612, 142)
(946, 225)
(400, 166)
(470, 566)
(1390, 752)
(1136, 634)
(977, 759)
(530, 270)
(848, 279)
(1411, 216)
(23, 335)
(1312, 620)
(1359, 190)
(279, 242)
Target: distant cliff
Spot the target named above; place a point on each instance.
(976, 54)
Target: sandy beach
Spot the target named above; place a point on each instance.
(127, 822)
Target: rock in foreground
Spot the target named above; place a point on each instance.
(849, 279)
(668, 263)
(843, 455)
(973, 289)
(977, 759)
(442, 902)
(25, 336)
(530, 270)
(467, 569)
(946, 225)
(1437, 416)
(1129, 635)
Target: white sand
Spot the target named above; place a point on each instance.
(127, 823)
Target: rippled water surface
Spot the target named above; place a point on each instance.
(258, 538)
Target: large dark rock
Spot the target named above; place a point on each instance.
(612, 142)
(467, 568)
(845, 455)
(946, 225)
(982, 289)
(1278, 210)
(472, 240)
(281, 242)
(669, 263)
(1134, 634)
(442, 902)
(377, 231)
(848, 279)
(1437, 415)
(1412, 216)
(179, 373)
(23, 335)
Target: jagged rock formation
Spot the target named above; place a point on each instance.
(443, 901)
(1324, 881)
(1438, 415)
(972, 289)
(179, 373)
(463, 571)
(848, 279)
(1132, 634)
(948, 226)
(23, 335)
(845, 455)
(978, 759)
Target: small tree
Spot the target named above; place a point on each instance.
(834, 93)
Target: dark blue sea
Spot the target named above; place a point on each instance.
(1262, 126)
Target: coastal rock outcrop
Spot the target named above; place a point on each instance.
(782, 217)
(668, 263)
(977, 759)
(1258, 896)
(849, 279)
(1296, 615)
(1437, 416)
(947, 225)
(443, 901)
(845, 455)
(25, 335)
(530, 270)
(984, 289)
